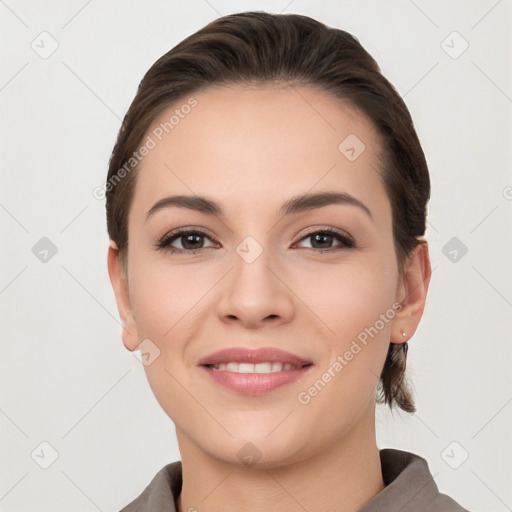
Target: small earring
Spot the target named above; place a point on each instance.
(403, 333)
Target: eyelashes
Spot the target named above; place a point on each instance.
(167, 240)
(191, 236)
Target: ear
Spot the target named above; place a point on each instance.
(412, 293)
(121, 291)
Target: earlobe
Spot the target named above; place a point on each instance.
(412, 294)
(122, 296)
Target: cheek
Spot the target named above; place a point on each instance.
(165, 307)
(350, 296)
(163, 296)
(355, 302)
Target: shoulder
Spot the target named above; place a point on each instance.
(410, 486)
(443, 503)
(161, 493)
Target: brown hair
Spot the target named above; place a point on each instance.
(263, 48)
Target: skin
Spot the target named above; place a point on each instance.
(251, 149)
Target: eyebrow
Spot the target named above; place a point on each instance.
(296, 204)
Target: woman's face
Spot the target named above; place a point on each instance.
(261, 276)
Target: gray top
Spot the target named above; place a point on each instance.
(410, 487)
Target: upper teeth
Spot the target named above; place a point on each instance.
(255, 368)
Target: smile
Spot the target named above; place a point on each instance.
(268, 367)
(250, 371)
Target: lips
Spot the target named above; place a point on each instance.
(254, 372)
(254, 356)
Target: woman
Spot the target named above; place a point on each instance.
(266, 204)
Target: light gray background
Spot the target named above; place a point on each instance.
(66, 378)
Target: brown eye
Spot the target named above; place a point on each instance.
(323, 240)
(191, 241)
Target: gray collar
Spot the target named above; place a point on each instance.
(410, 487)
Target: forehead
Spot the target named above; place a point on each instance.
(253, 146)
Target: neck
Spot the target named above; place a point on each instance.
(342, 477)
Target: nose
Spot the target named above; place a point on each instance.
(255, 294)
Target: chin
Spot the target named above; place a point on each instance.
(258, 451)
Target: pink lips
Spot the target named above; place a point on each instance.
(254, 383)
(259, 355)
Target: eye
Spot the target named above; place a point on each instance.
(323, 239)
(191, 241)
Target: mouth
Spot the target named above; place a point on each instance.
(266, 367)
(254, 372)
